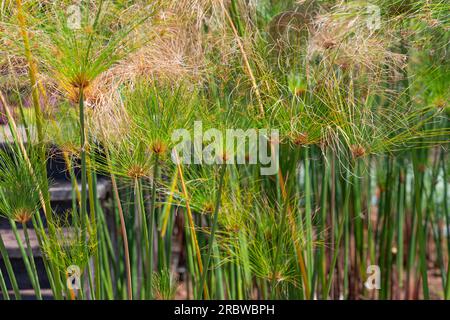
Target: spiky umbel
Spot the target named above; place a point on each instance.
(19, 186)
(66, 245)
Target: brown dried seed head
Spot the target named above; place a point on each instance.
(81, 80)
(329, 44)
(22, 215)
(300, 139)
(224, 157)
(344, 65)
(299, 91)
(357, 151)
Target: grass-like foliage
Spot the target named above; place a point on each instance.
(357, 91)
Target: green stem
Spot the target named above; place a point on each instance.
(400, 226)
(31, 257)
(92, 189)
(139, 202)
(3, 287)
(359, 259)
(124, 236)
(83, 209)
(340, 229)
(152, 222)
(421, 226)
(278, 248)
(9, 269)
(83, 165)
(213, 229)
(309, 227)
(26, 261)
(447, 225)
(323, 218)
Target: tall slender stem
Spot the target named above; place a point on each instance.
(294, 233)
(26, 260)
(83, 164)
(92, 186)
(123, 231)
(308, 220)
(139, 203)
(447, 225)
(214, 227)
(31, 259)
(3, 288)
(83, 209)
(191, 223)
(152, 222)
(9, 269)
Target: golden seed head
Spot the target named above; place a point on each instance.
(208, 208)
(357, 151)
(299, 91)
(159, 147)
(136, 171)
(439, 103)
(225, 157)
(22, 215)
(300, 139)
(81, 80)
(70, 148)
(89, 29)
(233, 227)
(277, 276)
